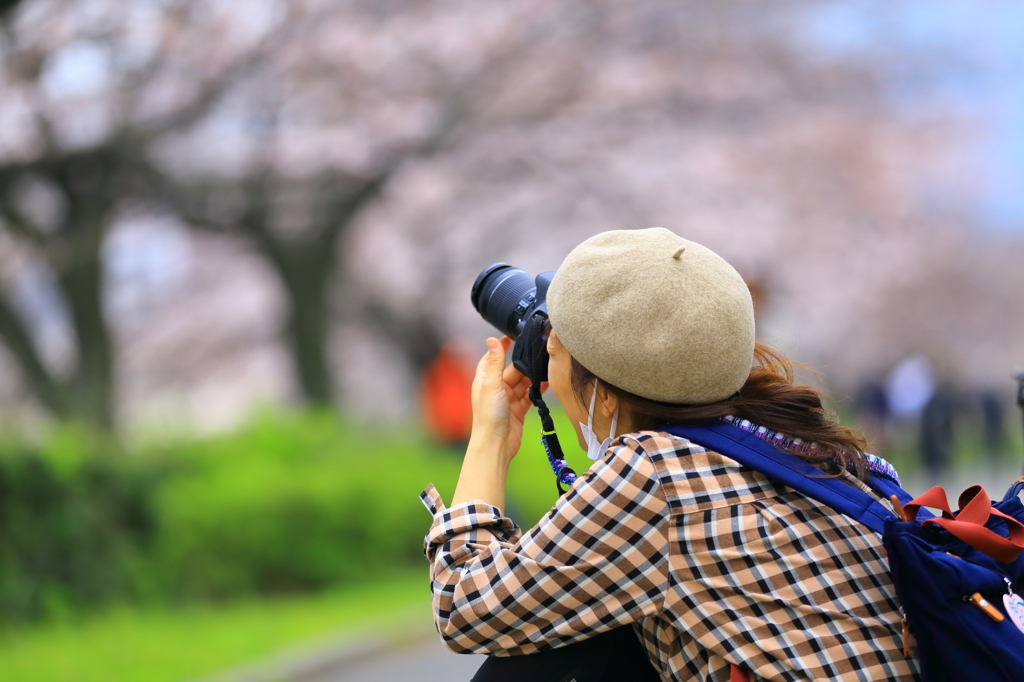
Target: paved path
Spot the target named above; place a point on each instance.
(424, 661)
(415, 655)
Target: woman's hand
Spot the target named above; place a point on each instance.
(500, 401)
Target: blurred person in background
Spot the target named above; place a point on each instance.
(721, 574)
(910, 387)
(445, 396)
(937, 433)
(873, 413)
(993, 428)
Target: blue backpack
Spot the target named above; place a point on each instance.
(950, 573)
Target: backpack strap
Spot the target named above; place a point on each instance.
(1014, 489)
(749, 450)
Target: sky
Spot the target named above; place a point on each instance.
(960, 53)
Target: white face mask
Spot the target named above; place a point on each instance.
(596, 448)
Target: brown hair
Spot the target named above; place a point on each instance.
(769, 398)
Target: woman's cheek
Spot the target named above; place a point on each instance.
(558, 382)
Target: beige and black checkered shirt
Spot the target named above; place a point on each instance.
(710, 561)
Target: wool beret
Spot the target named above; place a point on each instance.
(656, 315)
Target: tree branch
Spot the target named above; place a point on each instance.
(342, 207)
(256, 217)
(7, 7)
(190, 203)
(217, 86)
(16, 338)
(19, 225)
(15, 219)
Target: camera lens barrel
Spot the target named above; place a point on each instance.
(502, 294)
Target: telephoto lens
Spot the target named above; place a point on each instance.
(514, 303)
(502, 294)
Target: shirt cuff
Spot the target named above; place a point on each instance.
(464, 517)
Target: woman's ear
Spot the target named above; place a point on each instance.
(608, 402)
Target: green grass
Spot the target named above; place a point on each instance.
(175, 646)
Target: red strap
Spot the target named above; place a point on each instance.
(934, 498)
(969, 523)
(737, 674)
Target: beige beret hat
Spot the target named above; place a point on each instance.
(656, 315)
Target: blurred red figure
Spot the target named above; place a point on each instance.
(446, 395)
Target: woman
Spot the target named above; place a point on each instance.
(717, 569)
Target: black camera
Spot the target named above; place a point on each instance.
(515, 304)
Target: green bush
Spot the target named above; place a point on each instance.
(293, 504)
(75, 521)
(289, 503)
(301, 502)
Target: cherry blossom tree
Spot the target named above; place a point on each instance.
(89, 89)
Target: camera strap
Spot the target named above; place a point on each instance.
(564, 475)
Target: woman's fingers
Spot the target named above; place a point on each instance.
(495, 361)
(495, 378)
(519, 406)
(514, 378)
(488, 383)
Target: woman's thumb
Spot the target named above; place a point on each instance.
(495, 358)
(491, 366)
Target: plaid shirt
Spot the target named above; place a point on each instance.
(709, 561)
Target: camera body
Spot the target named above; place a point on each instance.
(516, 304)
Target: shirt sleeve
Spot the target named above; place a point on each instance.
(599, 559)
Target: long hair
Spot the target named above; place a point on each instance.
(769, 398)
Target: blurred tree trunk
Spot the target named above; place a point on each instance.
(90, 389)
(90, 185)
(87, 393)
(16, 337)
(305, 268)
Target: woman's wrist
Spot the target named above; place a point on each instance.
(486, 431)
(488, 445)
(484, 470)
